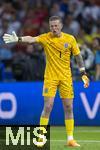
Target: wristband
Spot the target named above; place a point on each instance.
(83, 73)
(82, 69)
(19, 39)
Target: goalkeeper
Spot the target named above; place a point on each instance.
(58, 47)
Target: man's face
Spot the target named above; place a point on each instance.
(95, 43)
(55, 27)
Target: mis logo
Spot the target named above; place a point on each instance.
(66, 45)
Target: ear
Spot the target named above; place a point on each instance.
(61, 25)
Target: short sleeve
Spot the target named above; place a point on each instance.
(41, 39)
(75, 48)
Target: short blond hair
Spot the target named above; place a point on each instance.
(52, 18)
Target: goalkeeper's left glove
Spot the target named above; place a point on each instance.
(85, 79)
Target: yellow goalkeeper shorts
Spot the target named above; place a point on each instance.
(65, 88)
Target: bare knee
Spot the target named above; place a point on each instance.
(47, 110)
(68, 108)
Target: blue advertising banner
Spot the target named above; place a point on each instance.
(22, 104)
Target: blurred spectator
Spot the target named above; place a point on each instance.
(14, 24)
(28, 65)
(21, 67)
(88, 56)
(44, 27)
(64, 6)
(91, 11)
(37, 61)
(96, 46)
(71, 26)
(55, 10)
(75, 8)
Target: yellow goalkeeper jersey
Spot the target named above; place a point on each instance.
(58, 51)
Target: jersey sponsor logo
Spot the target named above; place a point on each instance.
(66, 45)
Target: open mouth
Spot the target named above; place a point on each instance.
(54, 31)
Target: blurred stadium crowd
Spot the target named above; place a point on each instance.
(26, 62)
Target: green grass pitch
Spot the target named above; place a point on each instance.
(87, 137)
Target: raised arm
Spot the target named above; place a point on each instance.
(11, 38)
(80, 63)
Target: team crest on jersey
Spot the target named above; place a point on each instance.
(66, 45)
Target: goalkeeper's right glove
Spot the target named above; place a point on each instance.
(10, 38)
(85, 80)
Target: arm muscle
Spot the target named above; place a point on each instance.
(79, 61)
(29, 39)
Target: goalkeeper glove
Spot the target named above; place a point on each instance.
(85, 79)
(10, 38)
